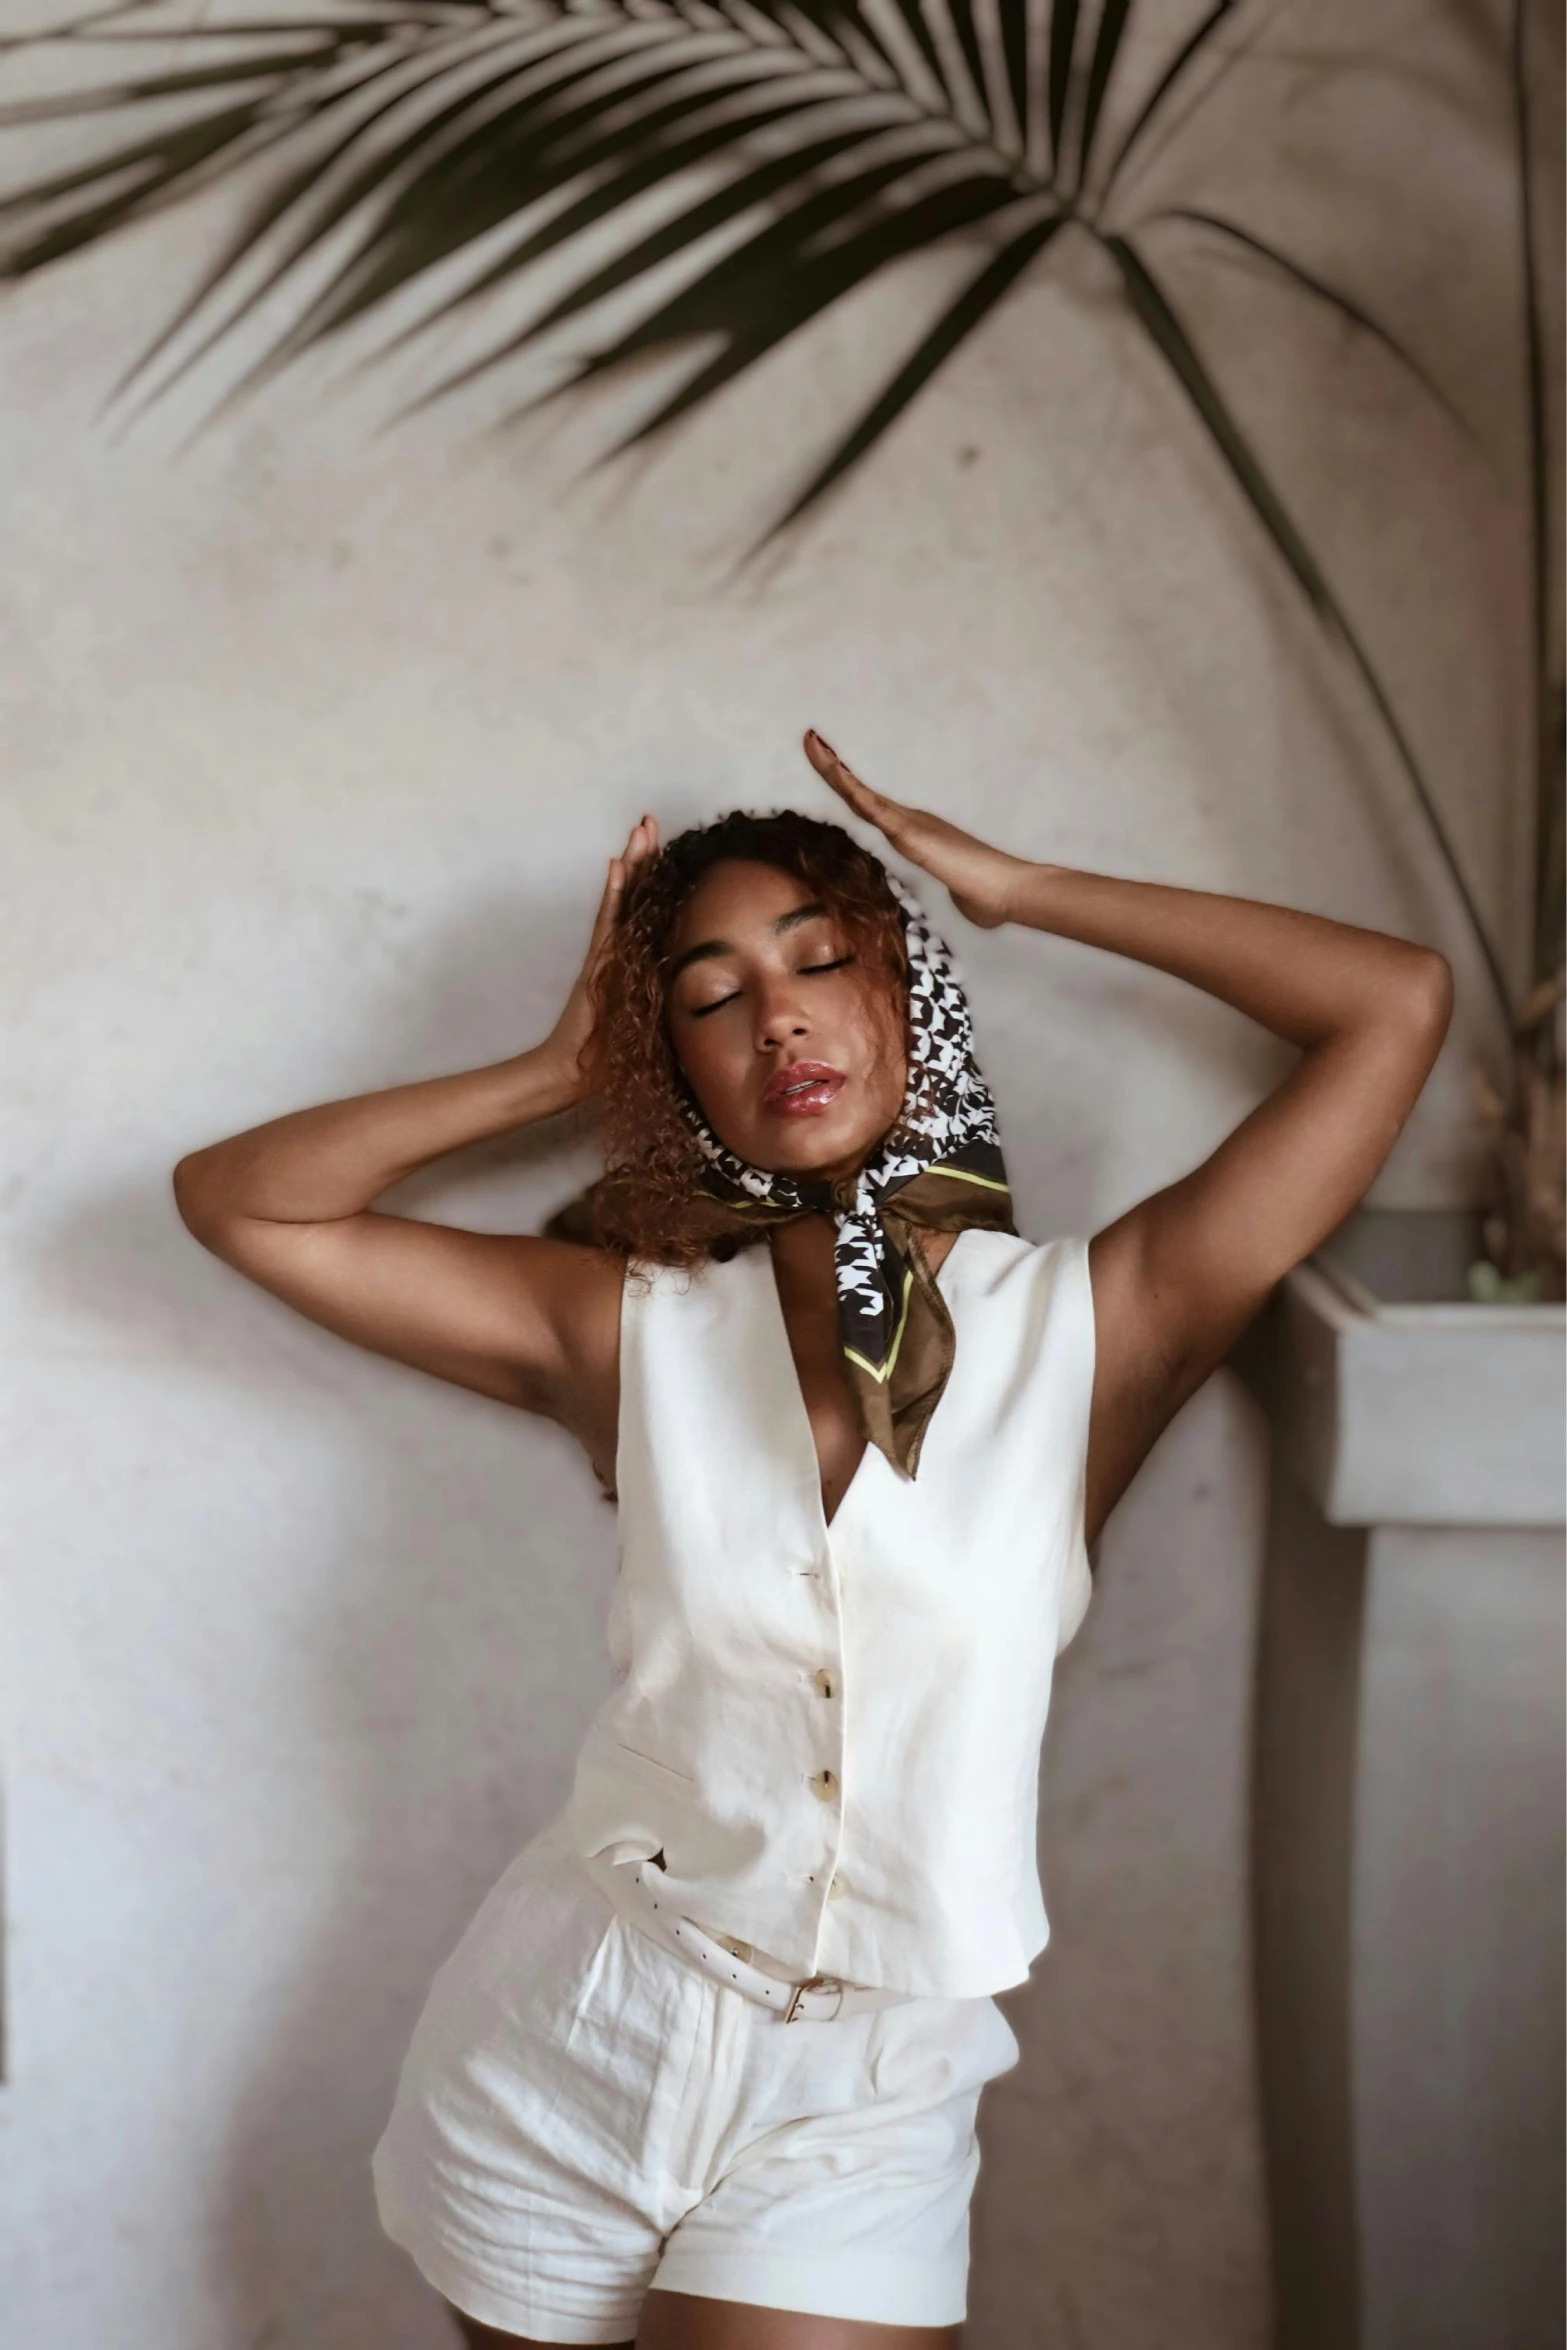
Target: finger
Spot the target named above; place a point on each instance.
(643, 842)
(873, 806)
(840, 777)
(614, 885)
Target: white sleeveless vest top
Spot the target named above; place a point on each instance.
(832, 1733)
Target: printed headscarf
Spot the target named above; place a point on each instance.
(940, 1169)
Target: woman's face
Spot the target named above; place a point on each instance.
(793, 1048)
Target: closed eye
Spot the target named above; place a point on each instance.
(701, 1011)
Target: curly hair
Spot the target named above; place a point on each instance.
(645, 1205)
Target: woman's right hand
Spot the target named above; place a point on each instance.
(572, 1045)
(530, 1321)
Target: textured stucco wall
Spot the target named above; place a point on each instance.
(314, 743)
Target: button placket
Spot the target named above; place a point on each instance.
(823, 1685)
(827, 1682)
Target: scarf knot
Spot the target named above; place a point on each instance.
(940, 1169)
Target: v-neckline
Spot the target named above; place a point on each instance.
(802, 1417)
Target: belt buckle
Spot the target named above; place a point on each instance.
(795, 2008)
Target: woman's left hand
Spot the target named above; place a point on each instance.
(984, 882)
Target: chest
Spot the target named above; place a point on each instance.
(831, 1414)
(758, 1536)
(741, 1438)
(808, 1311)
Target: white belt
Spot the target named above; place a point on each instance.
(817, 2000)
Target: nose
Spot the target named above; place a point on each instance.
(780, 1016)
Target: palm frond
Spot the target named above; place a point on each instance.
(971, 307)
(1063, 43)
(1159, 123)
(1548, 946)
(1170, 338)
(1114, 16)
(1321, 291)
(1022, 79)
(1197, 42)
(753, 304)
(402, 139)
(711, 174)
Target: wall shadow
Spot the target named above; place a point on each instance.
(447, 1655)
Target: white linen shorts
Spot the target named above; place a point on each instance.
(583, 2115)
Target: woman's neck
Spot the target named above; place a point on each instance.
(803, 1256)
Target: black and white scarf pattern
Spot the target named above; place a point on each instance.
(940, 1167)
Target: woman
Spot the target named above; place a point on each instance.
(862, 1436)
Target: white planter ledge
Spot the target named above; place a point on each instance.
(1408, 1801)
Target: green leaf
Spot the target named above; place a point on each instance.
(1487, 1285)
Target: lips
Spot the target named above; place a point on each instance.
(803, 1089)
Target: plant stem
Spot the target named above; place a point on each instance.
(1545, 950)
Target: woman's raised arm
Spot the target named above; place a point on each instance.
(1178, 1277)
(532, 1322)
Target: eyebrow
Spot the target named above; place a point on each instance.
(711, 947)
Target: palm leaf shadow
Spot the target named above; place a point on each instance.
(791, 150)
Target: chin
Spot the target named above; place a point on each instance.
(816, 1152)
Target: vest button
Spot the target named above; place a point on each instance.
(824, 1784)
(822, 1682)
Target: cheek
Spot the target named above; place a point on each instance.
(711, 1067)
